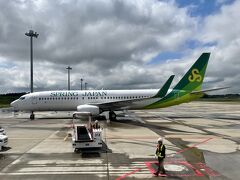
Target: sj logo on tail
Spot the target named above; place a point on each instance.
(195, 76)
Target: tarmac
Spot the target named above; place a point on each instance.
(201, 138)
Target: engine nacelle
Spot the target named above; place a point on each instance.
(94, 110)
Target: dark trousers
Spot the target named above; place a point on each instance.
(160, 166)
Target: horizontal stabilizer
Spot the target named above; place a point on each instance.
(208, 90)
(163, 91)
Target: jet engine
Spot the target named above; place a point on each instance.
(94, 110)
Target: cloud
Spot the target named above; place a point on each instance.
(110, 43)
(223, 29)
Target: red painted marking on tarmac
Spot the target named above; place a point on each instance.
(148, 164)
(207, 169)
(184, 163)
(128, 174)
(197, 173)
(190, 147)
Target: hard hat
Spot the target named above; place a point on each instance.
(160, 139)
(96, 121)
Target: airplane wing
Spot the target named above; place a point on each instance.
(117, 105)
(208, 90)
(124, 104)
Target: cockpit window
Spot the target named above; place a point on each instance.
(22, 98)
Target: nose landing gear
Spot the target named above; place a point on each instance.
(32, 116)
(112, 116)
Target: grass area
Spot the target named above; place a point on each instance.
(5, 100)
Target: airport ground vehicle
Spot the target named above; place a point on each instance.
(2, 131)
(86, 136)
(3, 141)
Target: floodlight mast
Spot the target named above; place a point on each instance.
(31, 34)
(69, 68)
(81, 83)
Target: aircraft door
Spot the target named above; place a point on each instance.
(34, 100)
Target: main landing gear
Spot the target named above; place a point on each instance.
(32, 116)
(112, 116)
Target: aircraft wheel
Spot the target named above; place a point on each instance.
(76, 150)
(112, 116)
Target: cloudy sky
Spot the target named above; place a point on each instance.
(118, 44)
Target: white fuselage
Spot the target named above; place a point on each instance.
(69, 100)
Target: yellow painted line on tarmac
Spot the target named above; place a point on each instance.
(65, 137)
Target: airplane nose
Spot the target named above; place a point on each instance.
(11, 104)
(14, 104)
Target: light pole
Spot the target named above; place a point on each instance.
(31, 34)
(85, 86)
(69, 68)
(81, 84)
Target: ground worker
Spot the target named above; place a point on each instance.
(96, 125)
(160, 153)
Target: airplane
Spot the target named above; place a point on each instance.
(95, 102)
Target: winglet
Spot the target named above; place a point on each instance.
(163, 91)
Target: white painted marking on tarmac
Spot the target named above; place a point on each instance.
(174, 167)
(87, 167)
(13, 163)
(81, 161)
(96, 169)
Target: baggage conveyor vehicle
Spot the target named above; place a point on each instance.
(85, 136)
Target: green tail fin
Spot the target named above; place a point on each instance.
(163, 91)
(193, 79)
